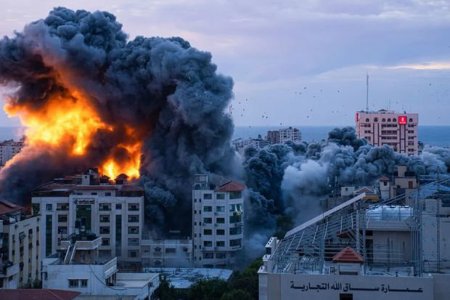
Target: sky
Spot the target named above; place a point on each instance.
(300, 62)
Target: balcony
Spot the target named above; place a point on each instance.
(8, 269)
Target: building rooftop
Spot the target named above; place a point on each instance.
(37, 294)
(9, 208)
(348, 255)
(183, 278)
(231, 186)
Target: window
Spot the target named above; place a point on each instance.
(118, 206)
(207, 196)
(93, 193)
(171, 250)
(104, 218)
(220, 220)
(220, 208)
(104, 206)
(133, 230)
(236, 230)
(133, 218)
(235, 218)
(208, 255)
(132, 253)
(220, 196)
(49, 207)
(104, 230)
(133, 242)
(235, 195)
(133, 206)
(62, 230)
(220, 231)
(73, 283)
(207, 231)
(62, 206)
(207, 208)
(84, 282)
(107, 194)
(105, 242)
(220, 255)
(220, 243)
(207, 243)
(62, 218)
(235, 243)
(207, 220)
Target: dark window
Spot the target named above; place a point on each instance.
(62, 218)
(207, 220)
(104, 218)
(83, 282)
(104, 230)
(133, 230)
(220, 231)
(207, 208)
(207, 196)
(118, 206)
(133, 218)
(207, 231)
(220, 220)
(73, 283)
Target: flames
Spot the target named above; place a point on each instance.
(69, 121)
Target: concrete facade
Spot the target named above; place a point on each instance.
(217, 222)
(112, 210)
(284, 135)
(20, 257)
(167, 253)
(8, 149)
(398, 130)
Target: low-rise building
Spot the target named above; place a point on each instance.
(93, 204)
(166, 252)
(77, 266)
(359, 251)
(19, 247)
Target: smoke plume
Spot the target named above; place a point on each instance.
(149, 107)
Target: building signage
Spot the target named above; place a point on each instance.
(402, 120)
(346, 287)
(84, 201)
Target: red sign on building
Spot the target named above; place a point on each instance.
(402, 120)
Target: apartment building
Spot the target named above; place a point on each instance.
(19, 243)
(398, 130)
(217, 222)
(8, 149)
(94, 204)
(284, 135)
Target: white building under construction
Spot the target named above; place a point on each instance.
(365, 251)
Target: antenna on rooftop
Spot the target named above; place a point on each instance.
(367, 92)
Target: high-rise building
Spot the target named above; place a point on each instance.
(19, 247)
(398, 130)
(217, 222)
(92, 204)
(284, 135)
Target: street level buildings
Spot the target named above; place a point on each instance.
(217, 222)
(20, 260)
(383, 127)
(89, 203)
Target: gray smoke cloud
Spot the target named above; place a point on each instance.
(167, 90)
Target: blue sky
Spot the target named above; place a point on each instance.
(298, 62)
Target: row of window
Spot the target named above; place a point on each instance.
(102, 206)
(232, 231)
(131, 230)
(236, 218)
(387, 120)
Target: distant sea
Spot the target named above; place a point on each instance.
(429, 135)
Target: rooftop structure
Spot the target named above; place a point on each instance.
(77, 266)
(91, 203)
(383, 127)
(355, 250)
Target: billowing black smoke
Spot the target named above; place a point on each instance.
(168, 90)
(296, 177)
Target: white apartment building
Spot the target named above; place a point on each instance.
(217, 222)
(284, 135)
(77, 266)
(166, 252)
(8, 149)
(400, 131)
(92, 204)
(19, 247)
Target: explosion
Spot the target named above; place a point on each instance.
(152, 108)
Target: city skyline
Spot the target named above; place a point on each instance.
(307, 65)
